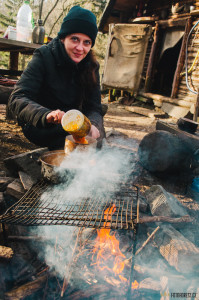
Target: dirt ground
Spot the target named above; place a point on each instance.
(133, 125)
(117, 118)
(12, 141)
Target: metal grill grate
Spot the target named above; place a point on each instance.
(95, 213)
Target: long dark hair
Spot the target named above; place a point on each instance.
(88, 78)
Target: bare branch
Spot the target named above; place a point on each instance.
(48, 14)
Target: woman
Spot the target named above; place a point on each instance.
(62, 75)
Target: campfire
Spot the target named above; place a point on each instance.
(121, 240)
(106, 250)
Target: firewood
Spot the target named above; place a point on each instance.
(93, 291)
(150, 284)
(26, 289)
(144, 111)
(6, 252)
(158, 272)
(66, 280)
(29, 238)
(163, 203)
(179, 252)
(146, 242)
(184, 219)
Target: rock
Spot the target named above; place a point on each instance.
(26, 180)
(4, 181)
(15, 189)
(26, 162)
(162, 151)
(2, 201)
(163, 203)
(2, 174)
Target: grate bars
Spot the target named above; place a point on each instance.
(32, 209)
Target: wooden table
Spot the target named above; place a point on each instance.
(15, 47)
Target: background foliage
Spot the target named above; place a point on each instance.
(52, 13)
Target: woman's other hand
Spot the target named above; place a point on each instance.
(55, 116)
(94, 132)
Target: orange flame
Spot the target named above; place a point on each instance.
(135, 285)
(107, 249)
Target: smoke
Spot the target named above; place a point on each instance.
(93, 174)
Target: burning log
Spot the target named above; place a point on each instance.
(6, 252)
(26, 289)
(177, 250)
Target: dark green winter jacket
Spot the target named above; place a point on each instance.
(50, 82)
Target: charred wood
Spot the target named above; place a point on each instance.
(146, 242)
(93, 291)
(26, 289)
(29, 238)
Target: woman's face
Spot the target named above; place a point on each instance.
(77, 46)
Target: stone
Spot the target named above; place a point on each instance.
(4, 181)
(27, 162)
(26, 180)
(2, 201)
(15, 189)
(162, 151)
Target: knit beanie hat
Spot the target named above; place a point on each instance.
(79, 20)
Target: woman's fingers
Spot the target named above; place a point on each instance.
(94, 132)
(55, 116)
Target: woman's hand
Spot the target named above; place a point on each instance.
(94, 132)
(55, 116)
